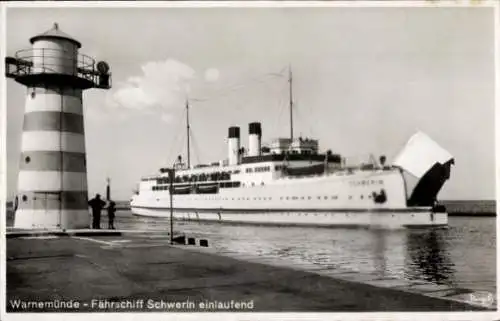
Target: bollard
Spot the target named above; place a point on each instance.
(180, 239)
(191, 241)
(204, 243)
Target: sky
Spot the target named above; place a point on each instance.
(364, 80)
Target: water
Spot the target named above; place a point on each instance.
(463, 255)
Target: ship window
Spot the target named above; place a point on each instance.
(295, 198)
(350, 197)
(25, 198)
(27, 159)
(302, 198)
(287, 198)
(319, 197)
(281, 198)
(361, 196)
(326, 197)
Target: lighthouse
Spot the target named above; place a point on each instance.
(52, 180)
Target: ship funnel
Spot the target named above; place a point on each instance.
(254, 139)
(426, 167)
(233, 145)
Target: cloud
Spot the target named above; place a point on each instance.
(163, 85)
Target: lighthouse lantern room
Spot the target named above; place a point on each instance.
(52, 179)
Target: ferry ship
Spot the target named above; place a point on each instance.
(290, 182)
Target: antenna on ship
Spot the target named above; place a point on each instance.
(187, 128)
(291, 100)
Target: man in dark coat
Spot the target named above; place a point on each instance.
(97, 204)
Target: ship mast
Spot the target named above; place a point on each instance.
(291, 100)
(187, 128)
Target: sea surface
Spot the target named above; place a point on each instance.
(463, 255)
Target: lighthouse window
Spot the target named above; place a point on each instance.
(27, 159)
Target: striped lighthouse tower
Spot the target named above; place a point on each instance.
(52, 180)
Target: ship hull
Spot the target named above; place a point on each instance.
(375, 217)
(327, 200)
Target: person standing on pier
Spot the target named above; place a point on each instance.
(111, 214)
(97, 204)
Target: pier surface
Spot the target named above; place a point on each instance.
(137, 266)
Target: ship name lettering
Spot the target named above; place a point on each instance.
(366, 182)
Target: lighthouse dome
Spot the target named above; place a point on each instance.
(54, 32)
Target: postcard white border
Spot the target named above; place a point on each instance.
(234, 316)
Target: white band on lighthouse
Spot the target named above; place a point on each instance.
(42, 99)
(51, 219)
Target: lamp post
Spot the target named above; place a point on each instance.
(170, 189)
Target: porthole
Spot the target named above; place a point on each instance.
(33, 94)
(27, 159)
(25, 198)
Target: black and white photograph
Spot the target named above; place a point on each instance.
(223, 159)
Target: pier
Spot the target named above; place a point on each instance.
(127, 267)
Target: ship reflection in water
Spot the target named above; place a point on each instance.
(428, 258)
(463, 255)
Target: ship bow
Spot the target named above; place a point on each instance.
(426, 167)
